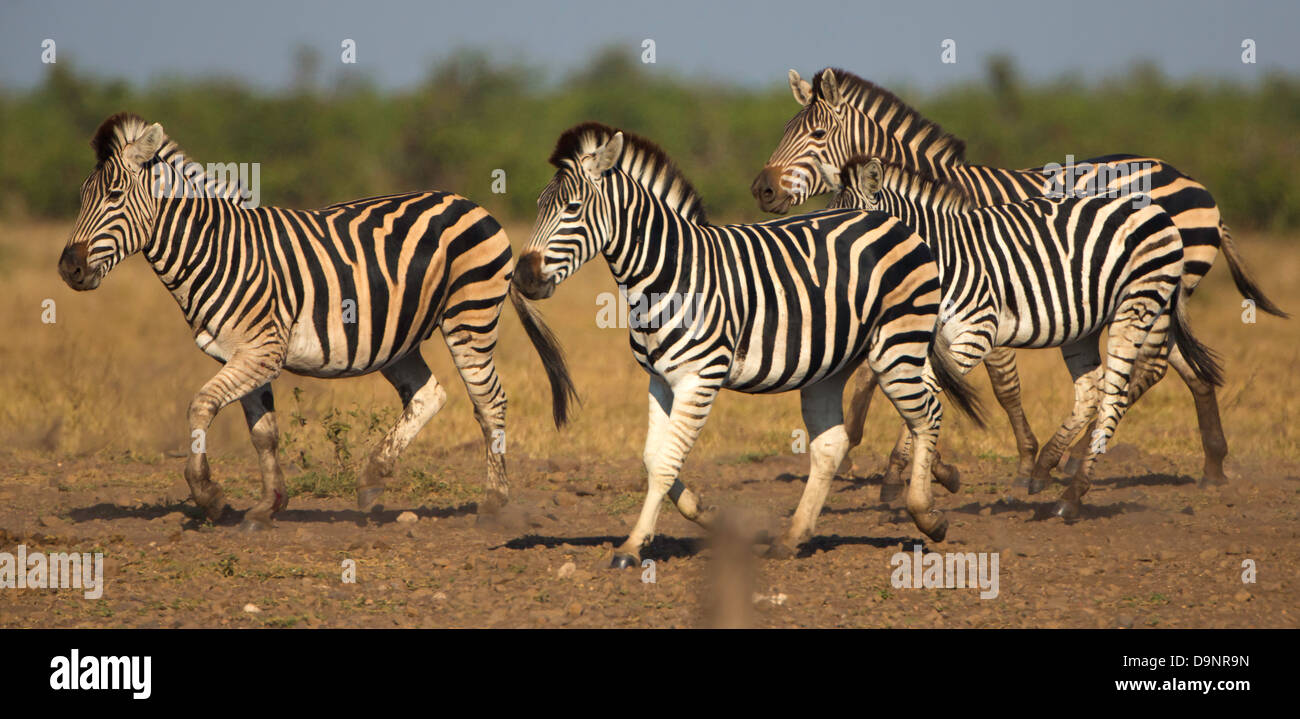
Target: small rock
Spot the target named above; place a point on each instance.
(574, 610)
(440, 562)
(440, 596)
(1209, 553)
(986, 511)
(251, 608)
(1124, 621)
(407, 517)
(1242, 596)
(567, 570)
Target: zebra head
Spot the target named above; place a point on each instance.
(821, 132)
(856, 185)
(117, 204)
(573, 212)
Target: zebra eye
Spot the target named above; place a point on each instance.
(818, 134)
(573, 207)
(115, 194)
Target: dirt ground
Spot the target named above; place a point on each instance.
(92, 428)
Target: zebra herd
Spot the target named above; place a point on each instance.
(921, 268)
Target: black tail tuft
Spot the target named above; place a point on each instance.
(1245, 283)
(953, 383)
(548, 348)
(1204, 361)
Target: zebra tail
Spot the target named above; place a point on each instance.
(1245, 283)
(1204, 361)
(552, 355)
(953, 383)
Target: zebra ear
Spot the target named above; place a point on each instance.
(144, 147)
(830, 175)
(831, 88)
(605, 156)
(801, 88)
(869, 176)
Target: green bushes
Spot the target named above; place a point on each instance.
(472, 117)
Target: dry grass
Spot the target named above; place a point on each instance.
(115, 373)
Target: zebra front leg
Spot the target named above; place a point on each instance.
(1084, 363)
(242, 374)
(1128, 332)
(824, 417)
(676, 417)
(259, 412)
(1000, 363)
(422, 397)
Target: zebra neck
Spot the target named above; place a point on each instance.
(923, 151)
(646, 237)
(192, 238)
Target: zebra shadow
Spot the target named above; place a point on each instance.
(234, 517)
(660, 548)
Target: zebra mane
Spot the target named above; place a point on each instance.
(911, 183)
(123, 128)
(905, 123)
(644, 161)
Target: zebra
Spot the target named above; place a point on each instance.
(342, 291)
(1044, 272)
(844, 115)
(794, 303)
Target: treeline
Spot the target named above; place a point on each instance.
(472, 117)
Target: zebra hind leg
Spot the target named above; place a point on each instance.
(922, 412)
(422, 397)
(1128, 332)
(259, 412)
(472, 354)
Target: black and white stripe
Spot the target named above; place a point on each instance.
(795, 303)
(345, 290)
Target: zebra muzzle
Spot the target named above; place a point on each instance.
(74, 269)
(528, 277)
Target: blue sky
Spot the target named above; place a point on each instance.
(751, 43)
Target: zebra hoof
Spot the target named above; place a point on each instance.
(256, 524)
(1208, 481)
(368, 498)
(623, 561)
(215, 506)
(1036, 485)
(938, 531)
(890, 492)
(953, 482)
(781, 550)
(1067, 509)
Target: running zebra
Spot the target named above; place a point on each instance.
(844, 115)
(337, 292)
(789, 304)
(1004, 270)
